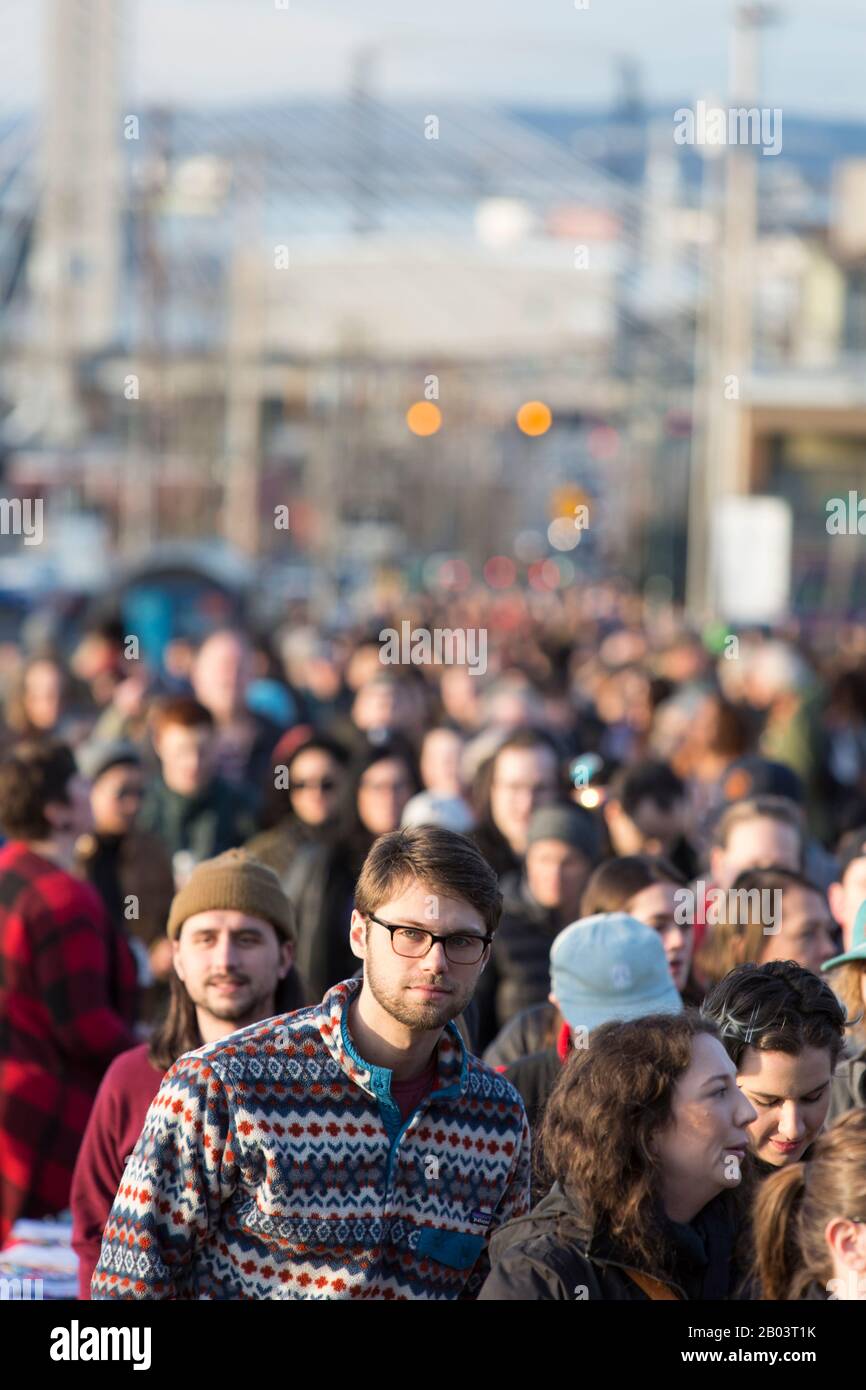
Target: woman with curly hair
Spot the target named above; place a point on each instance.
(645, 1135)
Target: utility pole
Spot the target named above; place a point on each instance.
(247, 333)
(720, 456)
(76, 256)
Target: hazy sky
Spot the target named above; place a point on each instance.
(525, 50)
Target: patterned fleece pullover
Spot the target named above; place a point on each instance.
(275, 1163)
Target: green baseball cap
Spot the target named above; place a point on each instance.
(858, 942)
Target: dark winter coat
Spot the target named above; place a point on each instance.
(553, 1254)
(518, 972)
(530, 1031)
(218, 818)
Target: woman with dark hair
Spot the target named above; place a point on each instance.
(320, 879)
(810, 1220)
(302, 800)
(653, 1211)
(38, 702)
(784, 1030)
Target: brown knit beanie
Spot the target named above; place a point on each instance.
(236, 881)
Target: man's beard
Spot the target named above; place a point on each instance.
(421, 1015)
(232, 1010)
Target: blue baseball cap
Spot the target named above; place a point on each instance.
(610, 966)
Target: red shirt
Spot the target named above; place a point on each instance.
(409, 1094)
(116, 1121)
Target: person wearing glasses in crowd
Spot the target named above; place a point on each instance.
(301, 801)
(352, 1149)
(319, 879)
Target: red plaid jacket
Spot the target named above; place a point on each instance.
(67, 1004)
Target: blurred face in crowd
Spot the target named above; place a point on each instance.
(514, 708)
(847, 896)
(221, 675)
(791, 1095)
(322, 676)
(186, 756)
(363, 665)
(116, 797)
(43, 694)
(702, 1148)
(458, 691)
(383, 791)
(656, 907)
(230, 963)
(805, 934)
(523, 779)
(315, 783)
(440, 762)
(653, 829)
(757, 843)
(72, 817)
(422, 993)
(557, 874)
(378, 705)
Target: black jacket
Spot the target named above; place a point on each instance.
(552, 1254)
(218, 818)
(518, 972)
(535, 1077)
(531, 1031)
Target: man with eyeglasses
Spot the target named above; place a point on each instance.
(353, 1149)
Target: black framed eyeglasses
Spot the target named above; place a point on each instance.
(461, 948)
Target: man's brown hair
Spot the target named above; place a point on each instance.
(179, 709)
(32, 774)
(441, 860)
(614, 883)
(755, 808)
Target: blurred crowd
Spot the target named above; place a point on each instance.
(621, 774)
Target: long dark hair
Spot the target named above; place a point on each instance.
(179, 1033)
(277, 804)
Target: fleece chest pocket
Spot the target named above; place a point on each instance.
(452, 1248)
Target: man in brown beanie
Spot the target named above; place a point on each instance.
(232, 933)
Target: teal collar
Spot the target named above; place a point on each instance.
(380, 1077)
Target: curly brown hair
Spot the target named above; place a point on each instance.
(33, 773)
(610, 1102)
